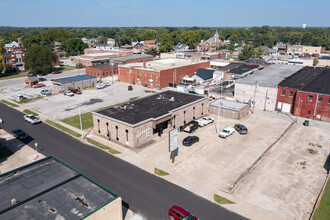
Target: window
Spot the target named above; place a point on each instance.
(283, 93)
(107, 73)
(320, 100)
(117, 133)
(103, 74)
(156, 76)
(98, 74)
(140, 74)
(87, 72)
(114, 72)
(202, 109)
(150, 76)
(184, 117)
(145, 75)
(194, 113)
(309, 112)
(291, 94)
(310, 98)
(328, 100)
(98, 125)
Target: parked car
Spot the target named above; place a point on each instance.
(20, 134)
(76, 91)
(1, 121)
(190, 140)
(226, 132)
(45, 92)
(102, 85)
(56, 72)
(178, 213)
(130, 88)
(201, 122)
(32, 119)
(241, 129)
(43, 74)
(33, 75)
(42, 79)
(69, 93)
(193, 92)
(38, 85)
(20, 98)
(208, 119)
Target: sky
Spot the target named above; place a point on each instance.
(155, 13)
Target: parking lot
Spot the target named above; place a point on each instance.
(286, 182)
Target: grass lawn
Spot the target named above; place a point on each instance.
(66, 68)
(9, 103)
(221, 200)
(102, 146)
(62, 128)
(160, 172)
(86, 120)
(10, 76)
(231, 56)
(323, 211)
(29, 112)
(4, 152)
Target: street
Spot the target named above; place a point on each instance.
(146, 194)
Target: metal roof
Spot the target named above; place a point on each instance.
(74, 78)
(205, 74)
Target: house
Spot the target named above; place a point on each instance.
(306, 93)
(203, 75)
(211, 43)
(261, 86)
(111, 42)
(181, 47)
(163, 72)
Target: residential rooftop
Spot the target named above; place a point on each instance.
(162, 64)
(50, 189)
(301, 78)
(269, 76)
(73, 78)
(205, 74)
(149, 108)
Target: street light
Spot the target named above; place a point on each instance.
(36, 146)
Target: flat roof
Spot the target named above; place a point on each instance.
(74, 78)
(149, 108)
(50, 189)
(226, 104)
(301, 78)
(100, 54)
(104, 66)
(243, 69)
(269, 76)
(132, 57)
(162, 64)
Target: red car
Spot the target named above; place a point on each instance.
(38, 85)
(56, 72)
(178, 213)
(43, 74)
(76, 91)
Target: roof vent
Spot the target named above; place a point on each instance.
(172, 99)
(13, 201)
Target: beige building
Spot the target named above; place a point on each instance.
(135, 124)
(309, 50)
(323, 61)
(303, 50)
(51, 189)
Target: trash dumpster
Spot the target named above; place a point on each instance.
(306, 123)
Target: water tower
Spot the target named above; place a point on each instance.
(304, 26)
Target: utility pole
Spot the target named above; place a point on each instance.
(254, 98)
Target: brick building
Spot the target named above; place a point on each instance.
(211, 43)
(135, 124)
(98, 50)
(94, 59)
(306, 94)
(161, 73)
(102, 70)
(14, 56)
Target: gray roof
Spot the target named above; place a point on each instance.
(226, 104)
(50, 189)
(132, 57)
(73, 78)
(270, 76)
(212, 40)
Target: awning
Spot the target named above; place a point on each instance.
(161, 120)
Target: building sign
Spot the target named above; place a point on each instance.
(145, 131)
(173, 139)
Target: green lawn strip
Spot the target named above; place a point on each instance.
(5, 76)
(29, 112)
(23, 101)
(221, 200)
(86, 120)
(9, 103)
(62, 128)
(66, 68)
(4, 152)
(160, 172)
(102, 146)
(323, 210)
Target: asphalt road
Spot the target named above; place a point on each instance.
(145, 193)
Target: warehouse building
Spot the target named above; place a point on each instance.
(51, 189)
(74, 82)
(162, 73)
(229, 109)
(261, 86)
(135, 124)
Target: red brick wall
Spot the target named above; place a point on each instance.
(100, 72)
(142, 75)
(286, 98)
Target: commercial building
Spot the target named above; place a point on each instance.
(102, 70)
(132, 59)
(51, 189)
(229, 109)
(161, 73)
(30, 82)
(237, 70)
(301, 50)
(94, 58)
(306, 93)
(135, 124)
(14, 56)
(261, 86)
(111, 50)
(323, 61)
(74, 82)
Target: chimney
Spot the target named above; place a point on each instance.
(13, 201)
(20, 45)
(144, 64)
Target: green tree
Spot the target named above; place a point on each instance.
(151, 51)
(166, 44)
(149, 34)
(73, 46)
(192, 38)
(2, 51)
(247, 52)
(39, 59)
(231, 47)
(124, 40)
(315, 62)
(307, 38)
(259, 52)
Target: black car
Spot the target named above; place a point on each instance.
(130, 88)
(241, 129)
(20, 134)
(188, 141)
(42, 79)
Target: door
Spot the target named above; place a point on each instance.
(286, 107)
